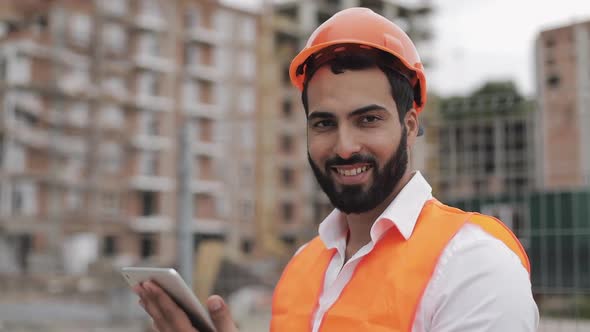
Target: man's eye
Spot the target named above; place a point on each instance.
(369, 119)
(324, 124)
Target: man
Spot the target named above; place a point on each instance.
(390, 257)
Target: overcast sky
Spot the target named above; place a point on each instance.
(479, 40)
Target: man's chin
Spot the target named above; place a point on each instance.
(342, 188)
(348, 198)
(349, 194)
(351, 207)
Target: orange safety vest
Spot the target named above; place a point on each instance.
(385, 289)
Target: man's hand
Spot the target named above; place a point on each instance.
(169, 317)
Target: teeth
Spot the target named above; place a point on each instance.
(352, 172)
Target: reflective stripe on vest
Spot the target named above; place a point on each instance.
(386, 287)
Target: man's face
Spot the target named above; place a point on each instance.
(356, 144)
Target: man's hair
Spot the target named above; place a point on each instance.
(401, 90)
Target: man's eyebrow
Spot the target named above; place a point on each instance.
(366, 109)
(320, 115)
(357, 112)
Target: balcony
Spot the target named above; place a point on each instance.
(147, 142)
(119, 94)
(151, 224)
(207, 148)
(154, 62)
(196, 109)
(152, 183)
(12, 223)
(156, 103)
(209, 226)
(208, 72)
(204, 35)
(206, 187)
(29, 102)
(114, 8)
(43, 138)
(32, 136)
(148, 21)
(76, 85)
(70, 145)
(118, 66)
(28, 45)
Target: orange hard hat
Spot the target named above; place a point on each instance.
(366, 29)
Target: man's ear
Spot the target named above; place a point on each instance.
(412, 126)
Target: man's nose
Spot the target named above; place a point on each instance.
(347, 144)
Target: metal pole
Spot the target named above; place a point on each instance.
(55, 215)
(185, 205)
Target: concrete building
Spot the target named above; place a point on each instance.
(559, 207)
(298, 204)
(94, 94)
(486, 154)
(563, 89)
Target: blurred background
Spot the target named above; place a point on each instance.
(166, 133)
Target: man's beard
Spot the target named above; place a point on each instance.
(353, 198)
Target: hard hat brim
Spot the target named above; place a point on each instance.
(298, 80)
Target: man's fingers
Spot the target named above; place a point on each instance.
(158, 320)
(149, 305)
(167, 316)
(171, 314)
(220, 314)
(167, 306)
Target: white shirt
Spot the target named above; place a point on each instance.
(463, 294)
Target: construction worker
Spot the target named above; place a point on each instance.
(390, 257)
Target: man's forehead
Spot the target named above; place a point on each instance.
(350, 89)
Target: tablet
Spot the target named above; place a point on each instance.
(171, 281)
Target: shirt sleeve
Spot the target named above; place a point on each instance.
(479, 284)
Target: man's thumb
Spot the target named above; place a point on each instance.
(220, 314)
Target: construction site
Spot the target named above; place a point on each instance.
(167, 134)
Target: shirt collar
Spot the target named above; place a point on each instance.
(402, 212)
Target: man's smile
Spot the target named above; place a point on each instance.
(351, 174)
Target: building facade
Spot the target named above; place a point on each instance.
(563, 90)
(560, 234)
(95, 94)
(486, 154)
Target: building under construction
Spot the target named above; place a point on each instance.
(94, 95)
(527, 164)
(563, 87)
(486, 153)
(560, 221)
